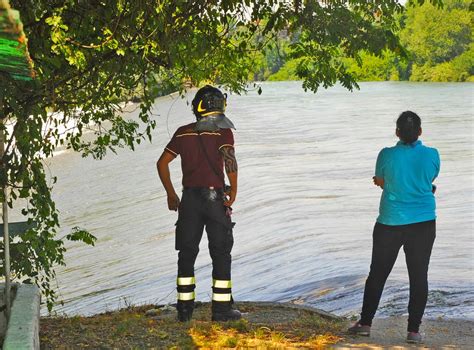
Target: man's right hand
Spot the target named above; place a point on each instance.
(164, 172)
(173, 202)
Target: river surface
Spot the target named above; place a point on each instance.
(305, 209)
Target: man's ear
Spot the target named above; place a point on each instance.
(397, 132)
(421, 131)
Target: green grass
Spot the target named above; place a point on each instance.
(130, 328)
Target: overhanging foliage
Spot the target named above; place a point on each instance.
(90, 56)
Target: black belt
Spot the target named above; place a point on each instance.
(210, 188)
(209, 193)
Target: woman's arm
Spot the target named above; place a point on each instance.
(379, 169)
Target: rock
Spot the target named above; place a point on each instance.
(167, 308)
(152, 312)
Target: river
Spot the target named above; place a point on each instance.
(305, 209)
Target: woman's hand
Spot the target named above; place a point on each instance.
(378, 181)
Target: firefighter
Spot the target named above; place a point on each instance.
(204, 146)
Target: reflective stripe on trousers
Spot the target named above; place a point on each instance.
(185, 287)
(221, 284)
(186, 281)
(221, 290)
(186, 296)
(227, 297)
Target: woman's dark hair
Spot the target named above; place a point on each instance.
(408, 126)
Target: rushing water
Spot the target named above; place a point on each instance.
(305, 209)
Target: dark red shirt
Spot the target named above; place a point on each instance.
(197, 171)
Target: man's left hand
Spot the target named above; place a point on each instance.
(229, 199)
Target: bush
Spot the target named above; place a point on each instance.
(464, 64)
(443, 72)
(460, 68)
(287, 72)
(375, 68)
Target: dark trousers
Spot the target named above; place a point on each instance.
(417, 241)
(203, 208)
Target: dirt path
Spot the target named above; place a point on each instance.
(390, 333)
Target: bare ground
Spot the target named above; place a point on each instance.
(390, 333)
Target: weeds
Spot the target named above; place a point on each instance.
(130, 328)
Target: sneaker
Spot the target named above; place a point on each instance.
(230, 315)
(359, 329)
(414, 338)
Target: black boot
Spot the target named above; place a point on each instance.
(229, 315)
(185, 311)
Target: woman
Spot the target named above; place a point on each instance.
(406, 218)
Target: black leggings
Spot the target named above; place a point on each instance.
(417, 241)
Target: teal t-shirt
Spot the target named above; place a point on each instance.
(408, 172)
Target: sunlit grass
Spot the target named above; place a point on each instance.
(131, 328)
(242, 335)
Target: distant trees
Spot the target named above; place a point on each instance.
(437, 40)
(435, 35)
(387, 66)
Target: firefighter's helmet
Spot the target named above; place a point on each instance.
(209, 106)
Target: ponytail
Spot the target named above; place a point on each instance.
(408, 126)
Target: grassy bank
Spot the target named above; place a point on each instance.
(264, 325)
